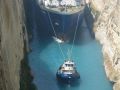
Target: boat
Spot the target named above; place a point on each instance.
(58, 40)
(61, 16)
(67, 72)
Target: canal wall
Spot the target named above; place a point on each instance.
(107, 31)
(13, 47)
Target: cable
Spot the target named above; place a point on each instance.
(56, 35)
(74, 36)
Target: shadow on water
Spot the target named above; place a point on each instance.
(35, 14)
(32, 25)
(84, 35)
(35, 26)
(40, 33)
(89, 20)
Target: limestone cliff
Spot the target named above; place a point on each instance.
(107, 31)
(11, 43)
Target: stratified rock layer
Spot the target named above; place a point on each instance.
(107, 31)
(11, 43)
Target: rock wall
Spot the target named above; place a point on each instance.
(107, 31)
(11, 43)
(99, 4)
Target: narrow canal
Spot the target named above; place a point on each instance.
(45, 56)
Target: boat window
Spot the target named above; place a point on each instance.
(69, 65)
(68, 70)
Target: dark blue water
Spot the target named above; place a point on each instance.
(45, 57)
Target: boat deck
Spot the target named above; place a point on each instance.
(63, 10)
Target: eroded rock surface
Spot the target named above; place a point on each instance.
(11, 43)
(107, 31)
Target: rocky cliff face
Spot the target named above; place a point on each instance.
(11, 43)
(107, 31)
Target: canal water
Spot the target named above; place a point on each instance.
(45, 58)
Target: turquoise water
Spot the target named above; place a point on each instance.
(46, 58)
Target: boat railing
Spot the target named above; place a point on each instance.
(68, 71)
(62, 8)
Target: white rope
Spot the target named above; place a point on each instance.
(56, 35)
(74, 36)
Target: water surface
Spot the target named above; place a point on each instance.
(45, 57)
